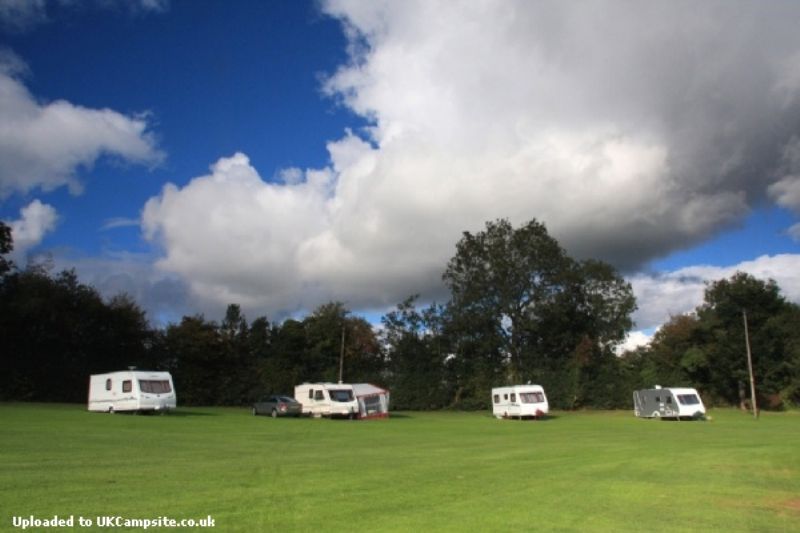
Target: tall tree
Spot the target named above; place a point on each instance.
(506, 276)
(554, 320)
(722, 320)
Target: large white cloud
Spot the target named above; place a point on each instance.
(36, 220)
(43, 145)
(630, 129)
(235, 238)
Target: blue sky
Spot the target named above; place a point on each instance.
(282, 154)
(214, 81)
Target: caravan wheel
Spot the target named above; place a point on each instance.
(111, 410)
(656, 414)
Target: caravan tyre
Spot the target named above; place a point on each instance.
(656, 414)
(111, 410)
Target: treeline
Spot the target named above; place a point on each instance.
(520, 310)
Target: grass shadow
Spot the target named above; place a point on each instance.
(182, 413)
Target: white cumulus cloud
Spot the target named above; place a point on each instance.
(43, 145)
(36, 220)
(631, 129)
(662, 295)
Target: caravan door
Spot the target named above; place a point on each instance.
(514, 405)
(318, 401)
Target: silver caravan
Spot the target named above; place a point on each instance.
(131, 390)
(668, 402)
(519, 401)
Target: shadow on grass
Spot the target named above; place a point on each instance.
(182, 413)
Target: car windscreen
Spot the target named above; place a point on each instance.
(341, 395)
(688, 399)
(286, 399)
(153, 386)
(531, 397)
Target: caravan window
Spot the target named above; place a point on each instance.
(318, 395)
(496, 398)
(310, 394)
(127, 385)
(108, 384)
(531, 397)
(341, 395)
(688, 399)
(154, 386)
(513, 397)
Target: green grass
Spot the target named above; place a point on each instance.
(587, 471)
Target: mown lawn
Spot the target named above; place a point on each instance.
(587, 471)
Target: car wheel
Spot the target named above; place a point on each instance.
(274, 413)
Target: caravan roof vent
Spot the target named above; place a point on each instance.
(658, 386)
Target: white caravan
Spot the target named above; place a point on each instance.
(669, 402)
(131, 390)
(519, 401)
(335, 400)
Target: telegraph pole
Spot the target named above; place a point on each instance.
(341, 357)
(750, 366)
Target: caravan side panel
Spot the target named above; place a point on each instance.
(327, 399)
(131, 391)
(112, 392)
(668, 403)
(519, 401)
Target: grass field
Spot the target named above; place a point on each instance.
(587, 471)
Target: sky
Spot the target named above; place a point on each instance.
(283, 154)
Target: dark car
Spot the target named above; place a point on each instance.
(276, 406)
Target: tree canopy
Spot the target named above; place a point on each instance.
(555, 320)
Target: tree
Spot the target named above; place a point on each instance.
(6, 247)
(325, 329)
(554, 320)
(57, 331)
(676, 356)
(507, 276)
(417, 350)
(721, 318)
(195, 345)
(285, 367)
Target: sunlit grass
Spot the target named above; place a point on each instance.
(602, 471)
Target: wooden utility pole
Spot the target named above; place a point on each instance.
(750, 366)
(341, 357)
